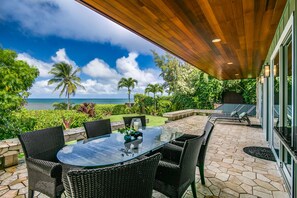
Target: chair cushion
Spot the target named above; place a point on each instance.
(242, 115)
(233, 113)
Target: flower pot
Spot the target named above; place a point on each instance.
(127, 138)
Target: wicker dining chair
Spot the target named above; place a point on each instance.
(176, 171)
(44, 172)
(128, 120)
(97, 128)
(201, 157)
(133, 179)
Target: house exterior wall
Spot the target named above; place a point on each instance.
(287, 21)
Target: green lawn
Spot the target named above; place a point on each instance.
(153, 120)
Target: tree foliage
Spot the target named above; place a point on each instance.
(154, 89)
(65, 77)
(169, 70)
(192, 88)
(17, 77)
(129, 83)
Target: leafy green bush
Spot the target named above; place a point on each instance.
(146, 105)
(17, 77)
(104, 109)
(119, 109)
(164, 105)
(110, 109)
(11, 126)
(63, 106)
(143, 103)
(183, 101)
(40, 119)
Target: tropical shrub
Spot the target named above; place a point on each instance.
(119, 109)
(164, 105)
(104, 109)
(249, 94)
(143, 103)
(63, 106)
(153, 106)
(183, 101)
(87, 108)
(40, 119)
(15, 125)
(17, 77)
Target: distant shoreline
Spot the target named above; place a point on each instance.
(46, 103)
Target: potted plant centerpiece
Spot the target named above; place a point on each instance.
(130, 133)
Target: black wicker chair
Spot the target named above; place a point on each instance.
(97, 128)
(134, 179)
(176, 171)
(201, 157)
(128, 120)
(44, 171)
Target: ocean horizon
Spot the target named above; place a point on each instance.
(47, 103)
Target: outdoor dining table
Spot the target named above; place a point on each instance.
(112, 149)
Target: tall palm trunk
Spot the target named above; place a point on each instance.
(129, 92)
(68, 101)
(155, 101)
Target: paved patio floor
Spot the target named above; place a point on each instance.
(229, 171)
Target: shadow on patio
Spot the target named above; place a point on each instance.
(229, 171)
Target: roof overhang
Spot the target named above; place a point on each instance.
(186, 28)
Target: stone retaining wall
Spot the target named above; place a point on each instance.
(176, 115)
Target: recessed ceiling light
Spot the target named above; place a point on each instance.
(216, 40)
(230, 63)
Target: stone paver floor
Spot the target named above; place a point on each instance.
(229, 171)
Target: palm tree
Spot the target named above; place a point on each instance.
(129, 83)
(66, 78)
(154, 88)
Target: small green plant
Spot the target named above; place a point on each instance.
(130, 134)
(62, 106)
(127, 131)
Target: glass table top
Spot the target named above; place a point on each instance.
(111, 149)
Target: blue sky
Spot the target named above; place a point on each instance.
(45, 32)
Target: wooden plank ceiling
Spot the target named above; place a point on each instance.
(186, 29)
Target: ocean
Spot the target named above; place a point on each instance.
(46, 103)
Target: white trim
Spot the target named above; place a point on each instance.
(289, 25)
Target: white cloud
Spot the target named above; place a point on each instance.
(97, 68)
(101, 78)
(68, 19)
(42, 89)
(43, 67)
(128, 67)
(97, 88)
(61, 56)
(93, 88)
